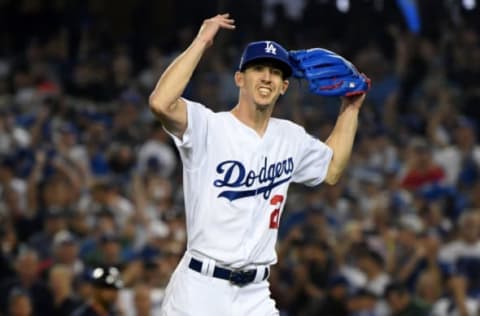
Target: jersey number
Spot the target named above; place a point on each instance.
(275, 215)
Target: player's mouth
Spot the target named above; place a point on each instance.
(264, 91)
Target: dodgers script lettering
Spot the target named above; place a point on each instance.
(234, 175)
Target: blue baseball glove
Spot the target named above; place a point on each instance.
(328, 73)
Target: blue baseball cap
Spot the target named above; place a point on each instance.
(266, 50)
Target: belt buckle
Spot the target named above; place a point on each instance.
(242, 278)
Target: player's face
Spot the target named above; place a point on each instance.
(262, 84)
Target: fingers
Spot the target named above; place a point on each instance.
(210, 27)
(360, 96)
(224, 21)
(224, 15)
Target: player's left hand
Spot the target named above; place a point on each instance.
(354, 101)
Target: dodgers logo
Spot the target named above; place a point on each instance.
(234, 175)
(270, 48)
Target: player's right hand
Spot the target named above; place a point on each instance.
(210, 27)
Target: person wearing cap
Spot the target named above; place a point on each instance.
(237, 167)
(66, 251)
(106, 283)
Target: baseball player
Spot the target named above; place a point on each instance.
(237, 167)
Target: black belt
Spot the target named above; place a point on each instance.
(237, 277)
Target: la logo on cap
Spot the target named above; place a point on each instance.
(270, 48)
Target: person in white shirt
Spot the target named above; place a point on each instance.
(237, 166)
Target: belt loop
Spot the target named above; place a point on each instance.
(267, 272)
(187, 257)
(260, 275)
(208, 266)
(204, 270)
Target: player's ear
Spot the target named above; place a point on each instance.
(284, 87)
(239, 78)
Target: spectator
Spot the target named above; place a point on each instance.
(461, 257)
(13, 197)
(420, 169)
(27, 279)
(335, 300)
(66, 252)
(406, 250)
(19, 304)
(74, 153)
(372, 265)
(402, 303)
(461, 159)
(156, 154)
(363, 302)
(12, 136)
(54, 223)
(105, 196)
(429, 287)
(9, 250)
(312, 272)
(106, 283)
(107, 251)
(60, 283)
(153, 198)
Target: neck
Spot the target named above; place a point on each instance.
(253, 116)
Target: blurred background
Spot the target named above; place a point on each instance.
(88, 177)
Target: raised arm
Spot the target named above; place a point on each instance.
(165, 99)
(342, 136)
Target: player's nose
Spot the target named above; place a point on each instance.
(266, 74)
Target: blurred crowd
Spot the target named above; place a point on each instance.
(88, 177)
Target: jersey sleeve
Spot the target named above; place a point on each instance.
(193, 141)
(313, 160)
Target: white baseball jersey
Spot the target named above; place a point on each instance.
(235, 183)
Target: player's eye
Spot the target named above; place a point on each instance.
(258, 67)
(276, 72)
(272, 70)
